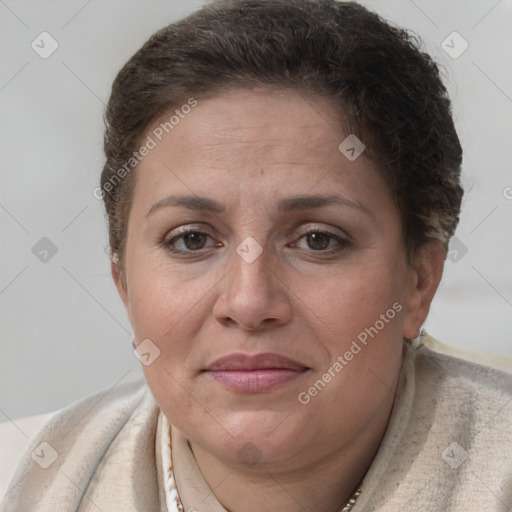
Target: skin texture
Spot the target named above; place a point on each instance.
(249, 150)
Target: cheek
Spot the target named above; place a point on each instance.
(176, 394)
(358, 317)
(163, 298)
(345, 303)
(169, 309)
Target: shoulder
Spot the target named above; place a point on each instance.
(471, 371)
(475, 356)
(470, 400)
(449, 440)
(19, 436)
(15, 436)
(457, 379)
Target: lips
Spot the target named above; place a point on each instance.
(255, 362)
(255, 373)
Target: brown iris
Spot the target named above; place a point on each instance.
(318, 241)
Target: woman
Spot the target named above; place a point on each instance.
(281, 183)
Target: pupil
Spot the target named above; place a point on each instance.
(318, 241)
(194, 240)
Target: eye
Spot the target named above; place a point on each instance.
(318, 241)
(321, 241)
(194, 240)
(189, 240)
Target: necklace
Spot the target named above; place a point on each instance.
(351, 501)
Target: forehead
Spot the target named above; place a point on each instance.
(272, 118)
(253, 142)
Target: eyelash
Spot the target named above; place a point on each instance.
(168, 243)
(343, 243)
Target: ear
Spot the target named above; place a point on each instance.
(425, 274)
(119, 279)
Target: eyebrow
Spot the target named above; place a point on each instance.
(308, 202)
(287, 205)
(190, 202)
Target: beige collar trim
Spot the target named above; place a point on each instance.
(180, 471)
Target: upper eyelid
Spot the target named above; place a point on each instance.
(328, 231)
(342, 240)
(340, 234)
(183, 230)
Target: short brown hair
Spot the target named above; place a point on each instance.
(389, 90)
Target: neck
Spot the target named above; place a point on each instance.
(322, 485)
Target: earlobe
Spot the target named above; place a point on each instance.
(119, 279)
(425, 274)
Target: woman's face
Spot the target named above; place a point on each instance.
(268, 270)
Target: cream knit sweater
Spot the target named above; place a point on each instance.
(448, 447)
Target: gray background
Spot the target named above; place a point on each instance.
(64, 333)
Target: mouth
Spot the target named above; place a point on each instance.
(255, 373)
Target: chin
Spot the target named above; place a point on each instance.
(251, 437)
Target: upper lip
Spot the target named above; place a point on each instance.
(246, 362)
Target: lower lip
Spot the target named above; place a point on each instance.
(255, 381)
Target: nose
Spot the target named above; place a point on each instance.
(253, 296)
